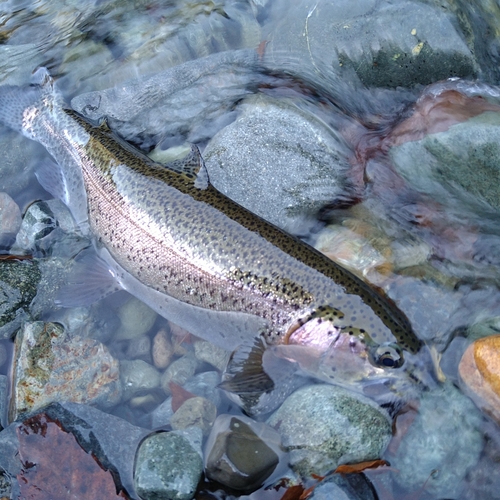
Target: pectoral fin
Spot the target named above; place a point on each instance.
(90, 281)
(258, 380)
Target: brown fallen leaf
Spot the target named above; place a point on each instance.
(15, 257)
(293, 492)
(179, 395)
(55, 467)
(357, 468)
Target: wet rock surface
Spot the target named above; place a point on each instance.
(323, 426)
(241, 453)
(19, 280)
(50, 367)
(479, 370)
(167, 466)
(466, 155)
(445, 437)
(195, 412)
(10, 218)
(304, 161)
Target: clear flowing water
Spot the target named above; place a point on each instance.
(433, 248)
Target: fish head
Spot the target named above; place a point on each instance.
(347, 356)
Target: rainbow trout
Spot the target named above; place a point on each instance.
(168, 237)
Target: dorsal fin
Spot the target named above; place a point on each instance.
(192, 166)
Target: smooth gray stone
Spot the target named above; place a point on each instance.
(444, 441)
(324, 426)
(167, 466)
(277, 151)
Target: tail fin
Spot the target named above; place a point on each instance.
(20, 106)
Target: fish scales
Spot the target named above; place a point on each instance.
(211, 252)
(193, 243)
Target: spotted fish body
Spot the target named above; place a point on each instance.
(192, 254)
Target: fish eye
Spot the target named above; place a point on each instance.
(388, 356)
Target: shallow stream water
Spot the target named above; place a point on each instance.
(388, 200)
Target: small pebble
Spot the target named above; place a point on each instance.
(163, 350)
(140, 348)
(137, 376)
(136, 319)
(212, 354)
(179, 372)
(195, 412)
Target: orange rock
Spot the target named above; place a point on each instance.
(479, 370)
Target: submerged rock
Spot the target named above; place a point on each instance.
(385, 44)
(50, 367)
(195, 412)
(179, 372)
(443, 442)
(162, 350)
(137, 376)
(4, 397)
(10, 219)
(49, 229)
(479, 370)
(91, 427)
(136, 319)
(18, 287)
(277, 151)
(462, 158)
(202, 384)
(344, 487)
(324, 426)
(241, 453)
(212, 354)
(168, 466)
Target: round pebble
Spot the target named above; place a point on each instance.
(136, 319)
(162, 350)
(479, 370)
(195, 412)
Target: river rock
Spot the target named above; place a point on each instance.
(137, 376)
(384, 44)
(4, 398)
(463, 158)
(179, 372)
(276, 151)
(91, 427)
(49, 367)
(344, 487)
(140, 348)
(162, 350)
(212, 354)
(49, 229)
(443, 442)
(202, 384)
(18, 287)
(242, 453)
(167, 466)
(10, 218)
(479, 370)
(195, 412)
(136, 319)
(324, 426)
